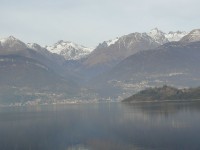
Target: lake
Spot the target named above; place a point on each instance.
(104, 126)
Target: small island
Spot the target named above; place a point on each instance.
(165, 93)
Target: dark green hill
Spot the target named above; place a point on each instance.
(165, 93)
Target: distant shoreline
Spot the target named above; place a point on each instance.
(161, 101)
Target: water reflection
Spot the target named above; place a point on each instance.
(101, 126)
(172, 114)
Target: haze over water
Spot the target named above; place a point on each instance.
(114, 126)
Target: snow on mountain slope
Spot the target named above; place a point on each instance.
(5, 40)
(105, 57)
(34, 46)
(69, 50)
(2, 40)
(175, 36)
(158, 36)
(162, 37)
(193, 36)
(39, 49)
(155, 35)
(111, 42)
(12, 44)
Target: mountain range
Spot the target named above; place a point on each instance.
(109, 53)
(30, 72)
(174, 64)
(115, 68)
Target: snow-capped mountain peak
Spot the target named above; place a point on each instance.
(156, 31)
(158, 36)
(70, 50)
(111, 42)
(34, 46)
(8, 39)
(155, 36)
(12, 43)
(195, 32)
(107, 43)
(162, 37)
(175, 36)
(193, 36)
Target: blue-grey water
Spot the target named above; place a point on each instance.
(107, 126)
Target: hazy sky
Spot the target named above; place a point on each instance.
(90, 22)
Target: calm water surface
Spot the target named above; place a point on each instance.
(108, 126)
